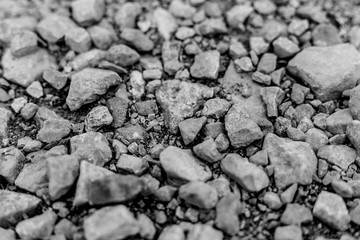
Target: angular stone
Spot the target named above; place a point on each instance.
(272, 200)
(88, 84)
(207, 150)
(98, 117)
(38, 227)
(339, 155)
(87, 12)
(206, 65)
(180, 100)
(173, 232)
(26, 69)
(62, 172)
(24, 43)
(54, 27)
(296, 214)
(288, 233)
(88, 172)
(212, 26)
(295, 162)
(267, 63)
(325, 35)
(353, 134)
(227, 210)
(182, 167)
(238, 14)
(189, 128)
(12, 26)
(199, 194)
(78, 39)
(56, 79)
(127, 14)
(11, 160)
(241, 129)
(165, 22)
(145, 108)
(133, 165)
(272, 97)
(122, 55)
(337, 122)
(92, 147)
(35, 90)
(137, 39)
(327, 70)
(54, 130)
(204, 231)
(114, 188)
(215, 107)
(111, 223)
(181, 10)
(118, 108)
(147, 227)
(13, 207)
(7, 234)
(331, 209)
(284, 47)
(171, 55)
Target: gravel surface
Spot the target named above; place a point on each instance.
(179, 119)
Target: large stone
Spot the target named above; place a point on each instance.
(296, 214)
(353, 134)
(327, 70)
(54, 27)
(11, 162)
(182, 167)
(354, 102)
(137, 39)
(206, 65)
(98, 117)
(122, 55)
(180, 100)
(87, 12)
(165, 22)
(337, 122)
(330, 208)
(227, 210)
(13, 207)
(203, 232)
(132, 164)
(92, 147)
(88, 84)
(9, 27)
(111, 223)
(294, 161)
(199, 194)
(241, 129)
(54, 130)
(340, 155)
(190, 128)
(5, 117)
(246, 174)
(88, 172)
(26, 69)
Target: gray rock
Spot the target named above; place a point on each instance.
(62, 172)
(288, 233)
(272, 97)
(98, 117)
(78, 39)
(244, 64)
(14, 205)
(180, 100)
(212, 26)
(354, 102)
(173, 232)
(288, 195)
(342, 188)
(122, 55)
(182, 167)
(54, 130)
(267, 63)
(145, 108)
(316, 138)
(272, 200)
(88, 172)
(331, 209)
(184, 33)
(7, 234)
(294, 162)
(56, 79)
(339, 155)
(88, 84)
(137, 39)
(352, 132)
(5, 117)
(325, 35)
(38, 227)
(54, 27)
(261, 78)
(114, 188)
(258, 44)
(298, 26)
(238, 14)
(190, 128)
(265, 7)
(24, 70)
(147, 227)
(337, 122)
(181, 10)
(35, 90)
(215, 107)
(199, 194)
(296, 214)
(204, 231)
(206, 65)
(87, 59)
(284, 47)
(112, 223)
(165, 22)
(102, 36)
(12, 26)
(131, 164)
(237, 49)
(207, 150)
(137, 84)
(298, 93)
(227, 210)
(118, 108)
(43, 114)
(246, 174)
(24, 43)
(327, 70)
(92, 147)
(11, 160)
(87, 12)
(355, 215)
(241, 129)
(127, 14)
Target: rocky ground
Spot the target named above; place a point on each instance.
(179, 120)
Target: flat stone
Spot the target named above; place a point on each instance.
(130, 133)
(54, 130)
(267, 63)
(215, 107)
(118, 109)
(206, 65)
(182, 167)
(330, 208)
(241, 129)
(294, 161)
(272, 200)
(272, 97)
(354, 102)
(296, 214)
(238, 14)
(92, 147)
(137, 39)
(207, 150)
(325, 35)
(7, 234)
(35, 90)
(190, 128)
(354, 214)
(13, 207)
(199, 194)
(98, 117)
(246, 174)
(337, 122)
(114, 188)
(88, 84)
(340, 155)
(316, 138)
(87, 12)
(180, 100)
(173, 232)
(122, 55)
(88, 172)
(204, 231)
(127, 14)
(56, 79)
(54, 27)
(165, 22)
(327, 70)
(102, 36)
(342, 188)
(147, 227)
(284, 47)
(11, 160)
(38, 227)
(288, 233)
(145, 108)
(212, 26)
(227, 210)
(12, 26)
(26, 69)
(62, 172)
(111, 223)
(24, 43)
(353, 134)
(78, 39)
(181, 10)
(133, 165)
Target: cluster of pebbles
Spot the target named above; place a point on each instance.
(179, 120)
